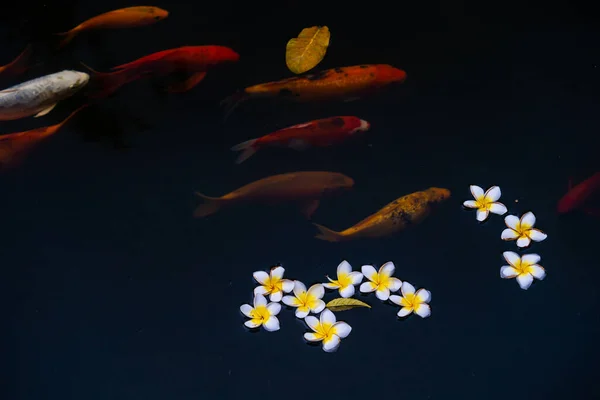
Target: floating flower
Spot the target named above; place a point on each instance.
(382, 282)
(522, 230)
(523, 268)
(273, 283)
(262, 314)
(346, 279)
(327, 330)
(412, 302)
(306, 300)
(486, 203)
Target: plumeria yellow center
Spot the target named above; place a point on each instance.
(483, 203)
(522, 267)
(260, 314)
(273, 284)
(343, 280)
(410, 300)
(324, 331)
(305, 300)
(381, 280)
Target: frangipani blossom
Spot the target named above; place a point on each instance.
(273, 283)
(412, 302)
(262, 314)
(346, 279)
(382, 282)
(522, 230)
(523, 268)
(306, 300)
(486, 203)
(327, 330)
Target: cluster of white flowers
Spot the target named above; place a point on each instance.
(521, 230)
(326, 328)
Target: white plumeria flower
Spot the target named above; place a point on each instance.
(486, 203)
(273, 283)
(412, 302)
(522, 230)
(346, 279)
(262, 314)
(523, 268)
(327, 330)
(306, 301)
(382, 282)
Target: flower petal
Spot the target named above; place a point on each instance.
(525, 280)
(507, 272)
(493, 194)
(369, 272)
(348, 291)
(259, 300)
(537, 271)
(327, 317)
(423, 310)
(509, 234)
(299, 288)
(344, 268)
(287, 285)
(523, 241)
(260, 290)
(253, 323)
(536, 235)
(527, 220)
(404, 311)
(312, 322)
(424, 295)
(261, 277)
(291, 301)
(331, 285)
(395, 299)
(277, 272)
(407, 288)
(482, 215)
(276, 296)
(317, 291)
(302, 312)
(512, 258)
(512, 221)
(356, 277)
(498, 208)
(272, 324)
(476, 191)
(530, 259)
(331, 344)
(470, 204)
(395, 284)
(274, 308)
(382, 293)
(368, 287)
(342, 329)
(246, 309)
(387, 269)
(311, 337)
(318, 307)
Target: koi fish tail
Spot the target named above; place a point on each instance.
(328, 234)
(67, 37)
(106, 83)
(233, 101)
(248, 149)
(211, 205)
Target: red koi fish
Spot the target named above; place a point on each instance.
(193, 61)
(18, 66)
(578, 196)
(318, 133)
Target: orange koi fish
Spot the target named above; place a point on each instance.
(305, 188)
(318, 133)
(191, 60)
(18, 66)
(15, 146)
(578, 196)
(345, 83)
(394, 217)
(123, 18)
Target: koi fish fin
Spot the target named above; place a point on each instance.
(298, 144)
(211, 206)
(45, 111)
(8, 91)
(594, 212)
(109, 82)
(248, 148)
(187, 84)
(328, 235)
(68, 36)
(308, 208)
(232, 102)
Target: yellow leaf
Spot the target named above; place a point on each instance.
(308, 49)
(342, 304)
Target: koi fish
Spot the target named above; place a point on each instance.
(318, 133)
(15, 146)
(394, 217)
(40, 95)
(18, 66)
(123, 18)
(345, 83)
(191, 60)
(305, 188)
(578, 196)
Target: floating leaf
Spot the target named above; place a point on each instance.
(343, 304)
(308, 49)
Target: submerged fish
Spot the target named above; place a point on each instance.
(39, 96)
(396, 216)
(305, 188)
(344, 83)
(18, 65)
(318, 133)
(578, 196)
